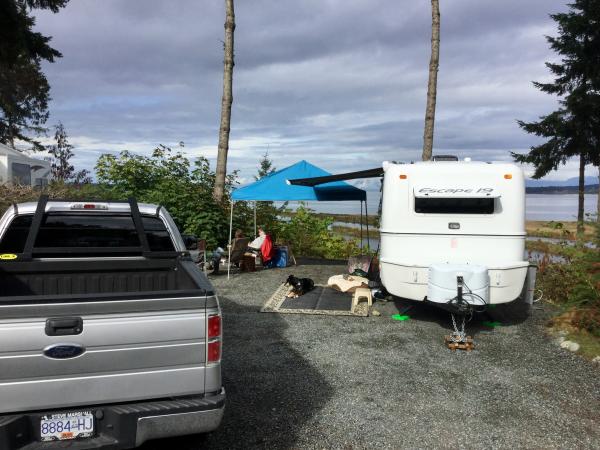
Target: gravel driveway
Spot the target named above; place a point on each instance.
(301, 381)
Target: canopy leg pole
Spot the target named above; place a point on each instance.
(229, 243)
(361, 226)
(255, 218)
(367, 220)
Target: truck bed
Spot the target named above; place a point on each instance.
(143, 322)
(45, 280)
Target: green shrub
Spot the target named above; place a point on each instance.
(575, 287)
(310, 235)
(185, 188)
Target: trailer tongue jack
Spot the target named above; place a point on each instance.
(459, 339)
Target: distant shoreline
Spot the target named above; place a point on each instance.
(561, 190)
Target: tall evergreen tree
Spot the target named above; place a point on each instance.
(265, 167)
(573, 130)
(60, 156)
(24, 90)
(266, 212)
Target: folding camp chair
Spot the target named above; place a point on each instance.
(202, 263)
(238, 248)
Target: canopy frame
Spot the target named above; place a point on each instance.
(277, 187)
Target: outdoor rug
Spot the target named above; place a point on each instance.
(321, 300)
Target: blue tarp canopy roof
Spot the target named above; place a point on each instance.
(275, 187)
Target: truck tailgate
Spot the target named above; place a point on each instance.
(131, 349)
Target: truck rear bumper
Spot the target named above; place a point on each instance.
(121, 426)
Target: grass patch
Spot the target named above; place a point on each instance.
(355, 232)
(558, 230)
(589, 344)
(566, 251)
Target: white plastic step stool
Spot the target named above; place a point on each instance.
(362, 293)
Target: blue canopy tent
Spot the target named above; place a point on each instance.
(276, 187)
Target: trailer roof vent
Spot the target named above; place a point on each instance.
(445, 158)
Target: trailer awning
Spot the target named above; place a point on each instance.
(428, 191)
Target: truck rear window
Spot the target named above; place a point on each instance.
(85, 230)
(433, 205)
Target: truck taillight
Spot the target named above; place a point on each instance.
(214, 351)
(214, 327)
(213, 336)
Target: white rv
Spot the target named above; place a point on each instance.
(452, 231)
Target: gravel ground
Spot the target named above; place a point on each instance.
(301, 381)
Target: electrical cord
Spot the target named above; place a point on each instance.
(470, 308)
(477, 296)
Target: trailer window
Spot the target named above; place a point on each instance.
(86, 230)
(433, 205)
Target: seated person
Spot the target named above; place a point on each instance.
(267, 250)
(220, 252)
(263, 246)
(257, 243)
(216, 259)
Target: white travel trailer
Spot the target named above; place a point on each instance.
(18, 168)
(452, 232)
(450, 226)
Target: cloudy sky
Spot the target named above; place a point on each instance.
(340, 83)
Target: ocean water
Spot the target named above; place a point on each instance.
(557, 207)
(537, 207)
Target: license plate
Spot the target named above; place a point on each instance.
(71, 425)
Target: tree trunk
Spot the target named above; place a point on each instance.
(11, 134)
(432, 86)
(580, 203)
(598, 202)
(226, 102)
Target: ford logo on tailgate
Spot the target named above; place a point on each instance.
(63, 351)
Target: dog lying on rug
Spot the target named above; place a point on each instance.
(300, 286)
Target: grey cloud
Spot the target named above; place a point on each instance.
(339, 83)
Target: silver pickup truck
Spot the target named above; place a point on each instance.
(109, 334)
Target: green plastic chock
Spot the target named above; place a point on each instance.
(487, 323)
(400, 317)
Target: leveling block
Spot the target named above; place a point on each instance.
(467, 345)
(400, 317)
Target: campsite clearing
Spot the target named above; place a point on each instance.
(304, 381)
